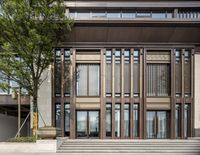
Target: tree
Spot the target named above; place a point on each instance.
(29, 31)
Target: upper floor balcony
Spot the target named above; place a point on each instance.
(134, 11)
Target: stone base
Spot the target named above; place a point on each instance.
(48, 132)
(197, 132)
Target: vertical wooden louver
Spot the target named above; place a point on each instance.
(57, 72)
(158, 81)
(127, 75)
(187, 73)
(117, 72)
(136, 73)
(108, 73)
(178, 74)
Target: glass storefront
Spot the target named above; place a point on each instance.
(87, 124)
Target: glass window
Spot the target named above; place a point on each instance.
(67, 119)
(113, 14)
(93, 80)
(58, 115)
(83, 14)
(143, 14)
(128, 15)
(72, 15)
(100, 14)
(88, 80)
(178, 121)
(178, 56)
(187, 73)
(136, 56)
(57, 74)
(136, 72)
(169, 15)
(178, 71)
(108, 120)
(117, 120)
(136, 120)
(158, 15)
(67, 81)
(158, 79)
(187, 120)
(127, 74)
(108, 73)
(117, 72)
(82, 76)
(126, 120)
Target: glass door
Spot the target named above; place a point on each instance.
(157, 124)
(87, 125)
(93, 124)
(151, 115)
(81, 125)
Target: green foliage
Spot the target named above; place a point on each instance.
(22, 139)
(29, 31)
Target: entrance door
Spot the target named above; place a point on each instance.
(157, 124)
(87, 125)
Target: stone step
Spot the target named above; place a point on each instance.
(129, 151)
(127, 145)
(146, 153)
(99, 142)
(125, 148)
(142, 147)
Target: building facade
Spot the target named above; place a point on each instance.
(128, 69)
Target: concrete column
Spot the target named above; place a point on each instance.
(45, 100)
(197, 94)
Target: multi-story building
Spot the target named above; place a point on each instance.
(128, 69)
(133, 70)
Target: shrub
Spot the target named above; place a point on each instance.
(22, 139)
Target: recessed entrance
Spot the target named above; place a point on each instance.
(157, 124)
(87, 124)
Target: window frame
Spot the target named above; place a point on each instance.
(99, 84)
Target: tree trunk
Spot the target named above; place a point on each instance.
(35, 115)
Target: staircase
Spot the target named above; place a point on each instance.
(129, 147)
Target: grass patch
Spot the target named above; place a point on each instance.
(23, 139)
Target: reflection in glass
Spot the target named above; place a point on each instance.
(67, 119)
(58, 115)
(135, 120)
(57, 84)
(126, 120)
(178, 121)
(108, 120)
(113, 15)
(157, 124)
(158, 15)
(161, 124)
(128, 15)
(82, 124)
(117, 120)
(93, 124)
(83, 15)
(187, 116)
(93, 79)
(87, 124)
(150, 124)
(99, 14)
(87, 80)
(82, 80)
